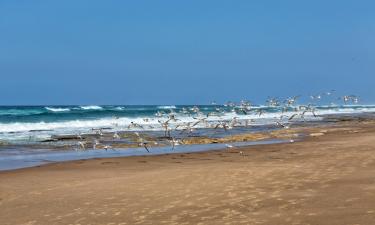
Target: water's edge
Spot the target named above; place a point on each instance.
(13, 162)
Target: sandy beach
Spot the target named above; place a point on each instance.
(187, 112)
(327, 178)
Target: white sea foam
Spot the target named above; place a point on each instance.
(57, 109)
(126, 121)
(91, 107)
(167, 107)
(75, 126)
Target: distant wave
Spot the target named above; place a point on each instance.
(91, 107)
(57, 109)
(167, 107)
(120, 108)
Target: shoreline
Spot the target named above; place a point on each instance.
(297, 132)
(35, 160)
(327, 178)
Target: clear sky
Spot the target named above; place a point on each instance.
(183, 52)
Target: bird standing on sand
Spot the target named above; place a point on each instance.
(229, 146)
(106, 147)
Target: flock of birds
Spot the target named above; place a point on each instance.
(173, 127)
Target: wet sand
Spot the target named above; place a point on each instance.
(328, 178)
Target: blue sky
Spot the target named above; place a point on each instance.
(183, 52)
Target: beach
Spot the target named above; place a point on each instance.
(326, 178)
(187, 113)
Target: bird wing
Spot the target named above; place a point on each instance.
(145, 146)
(294, 115)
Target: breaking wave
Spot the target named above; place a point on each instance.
(45, 121)
(91, 107)
(57, 109)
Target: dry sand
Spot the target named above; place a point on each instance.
(329, 178)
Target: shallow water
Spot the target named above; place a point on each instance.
(25, 158)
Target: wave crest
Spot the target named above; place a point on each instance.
(91, 107)
(167, 107)
(57, 109)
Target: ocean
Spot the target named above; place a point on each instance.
(34, 135)
(25, 124)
